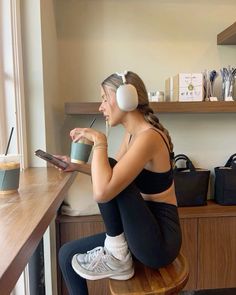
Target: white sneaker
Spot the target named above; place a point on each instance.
(99, 263)
(89, 255)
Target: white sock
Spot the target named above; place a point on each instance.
(117, 246)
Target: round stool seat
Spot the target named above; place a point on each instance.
(166, 280)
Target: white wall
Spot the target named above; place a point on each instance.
(43, 107)
(33, 77)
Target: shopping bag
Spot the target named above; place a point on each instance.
(191, 184)
(225, 182)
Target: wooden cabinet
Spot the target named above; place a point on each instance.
(189, 249)
(217, 253)
(209, 244)
(72, 228)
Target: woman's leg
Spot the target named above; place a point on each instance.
(147, 234)
(76, 285)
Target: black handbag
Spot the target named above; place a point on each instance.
(225, 182)
(191, 184)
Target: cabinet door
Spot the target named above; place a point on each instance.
(189, 249)
(71, 231)
(217, 253)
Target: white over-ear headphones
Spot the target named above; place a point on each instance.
(126, 95)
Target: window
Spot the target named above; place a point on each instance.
(12, 113)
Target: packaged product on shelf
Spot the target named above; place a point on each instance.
(188, 87)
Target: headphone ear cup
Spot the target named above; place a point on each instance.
(127, 97)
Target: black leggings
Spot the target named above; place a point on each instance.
(152, 231)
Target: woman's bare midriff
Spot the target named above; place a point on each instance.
(167, 196)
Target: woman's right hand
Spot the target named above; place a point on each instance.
(71, 166)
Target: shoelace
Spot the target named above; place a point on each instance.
(100, 258)
(92, 254)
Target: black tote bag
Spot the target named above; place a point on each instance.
(191, 184)
(225, 182)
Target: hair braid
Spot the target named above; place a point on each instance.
(152, 119)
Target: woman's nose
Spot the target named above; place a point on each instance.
(100, 108)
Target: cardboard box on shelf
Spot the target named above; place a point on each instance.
(188, 87)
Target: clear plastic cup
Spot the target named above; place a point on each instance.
(9, 173)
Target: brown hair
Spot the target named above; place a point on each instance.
(114, 81)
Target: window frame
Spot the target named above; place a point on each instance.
(12, 100)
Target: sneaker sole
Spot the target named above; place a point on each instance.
(122, 276)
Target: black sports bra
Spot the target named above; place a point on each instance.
(150, 182)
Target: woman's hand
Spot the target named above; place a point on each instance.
(71, 166)
(87, 133)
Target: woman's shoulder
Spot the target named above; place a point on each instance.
(154, 137)
(152, 132)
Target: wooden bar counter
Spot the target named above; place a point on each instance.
(24, 217)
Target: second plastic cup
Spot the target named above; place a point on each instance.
(9, 173)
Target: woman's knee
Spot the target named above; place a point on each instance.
(64, 254)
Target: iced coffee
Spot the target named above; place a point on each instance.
(9, 174)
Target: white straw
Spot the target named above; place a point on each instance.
(107, 128)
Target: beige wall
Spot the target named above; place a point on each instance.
(54, 105)
(156, 39)
(94, 38)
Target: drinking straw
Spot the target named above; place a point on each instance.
(91, 124)
(107, 128)
(9, 141)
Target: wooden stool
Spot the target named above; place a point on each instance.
(166, 280)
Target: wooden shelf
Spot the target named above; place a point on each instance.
(228, 36)
(87, 108)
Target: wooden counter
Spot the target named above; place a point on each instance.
(24, 217)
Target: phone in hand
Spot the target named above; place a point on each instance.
(51, 159)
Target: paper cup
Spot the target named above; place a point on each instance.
(80, 151)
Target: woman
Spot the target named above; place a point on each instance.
(135, 192)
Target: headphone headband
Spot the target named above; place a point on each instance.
(122, 75)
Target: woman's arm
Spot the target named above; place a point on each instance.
(83, 168)
(109, 182)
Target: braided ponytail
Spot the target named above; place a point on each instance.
(152, 119)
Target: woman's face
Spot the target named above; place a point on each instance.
(109, 106)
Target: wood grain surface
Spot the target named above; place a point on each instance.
(24, 217)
